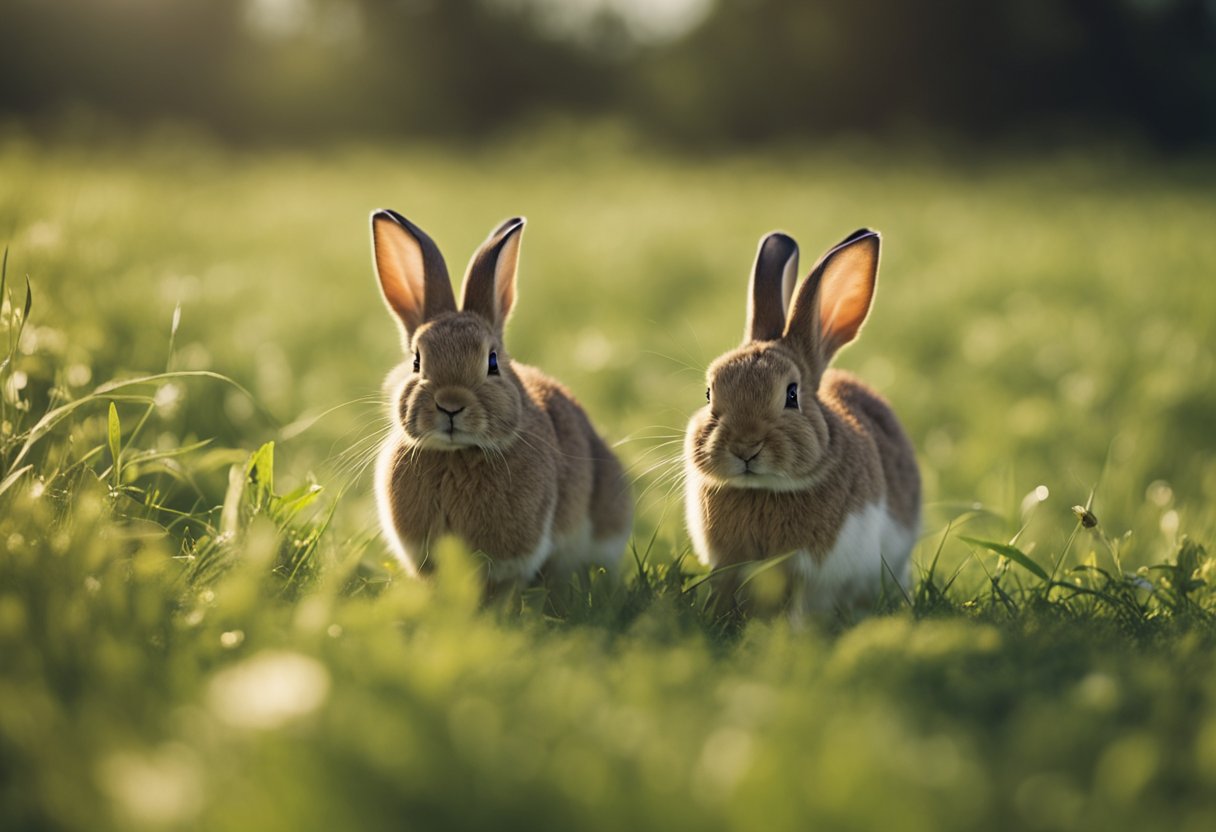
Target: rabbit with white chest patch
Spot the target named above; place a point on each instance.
(790, 458)
(483, 448)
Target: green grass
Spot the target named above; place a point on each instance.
(199, 627)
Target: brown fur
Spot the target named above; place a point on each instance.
(507, 462)
(491, 500)
(766, 479)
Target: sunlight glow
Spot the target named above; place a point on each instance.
(646, 20)
(269, 690)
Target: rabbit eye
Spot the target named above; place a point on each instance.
(493, 363)
(791, 396)
(706, 394)
(417, 362)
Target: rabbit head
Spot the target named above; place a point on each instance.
(456, 388)
(763, 425)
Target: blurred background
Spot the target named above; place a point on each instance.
(186, 185)
(697, 74)
(1038, 168)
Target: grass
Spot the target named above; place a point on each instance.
(199, 627)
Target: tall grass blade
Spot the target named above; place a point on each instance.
(1012, 552)
(48, 422)
(114, 435)
(12, 478)
(230, 515)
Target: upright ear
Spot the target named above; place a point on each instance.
(833, 301)
(489, 284)
(772, 285)
(413, 276)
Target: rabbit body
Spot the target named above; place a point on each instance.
(792, 459)
(483, 448)
(527, 508)
(842, 540)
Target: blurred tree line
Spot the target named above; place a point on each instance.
(748, 71)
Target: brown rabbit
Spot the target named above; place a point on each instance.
(791, 458)
(483, 448)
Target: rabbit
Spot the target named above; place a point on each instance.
(488, 450)
(790, 458)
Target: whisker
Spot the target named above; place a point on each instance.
(673, 474)
(303, 423)
(665, 444)
(683, 365)
(665, 486)
(665, 462)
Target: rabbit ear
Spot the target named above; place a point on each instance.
(413, 275)
(833, 301)
(489, 284)
(772, 284)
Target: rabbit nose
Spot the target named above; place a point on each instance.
(449, 402)
(747, 451)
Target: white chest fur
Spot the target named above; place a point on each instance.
(384, 507)
(694, 518)
(871, 549)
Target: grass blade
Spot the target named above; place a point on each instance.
(1012, 552)
(230, 515)
(52, 418)
(114, 433)
(13, 477)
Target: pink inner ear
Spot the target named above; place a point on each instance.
(399, 265)
(846, 291)
(504, 276)
(400, 294)
(506, 298)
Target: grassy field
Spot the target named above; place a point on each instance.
(201, 629)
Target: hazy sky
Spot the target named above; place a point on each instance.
(647, 19)
(650, 19)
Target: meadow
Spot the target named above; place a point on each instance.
(201, 629)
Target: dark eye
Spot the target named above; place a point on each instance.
(791, 396)
(706, 394)
(493, 363)
(417, 362)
